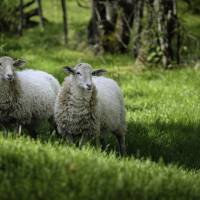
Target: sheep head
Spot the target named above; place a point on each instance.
(82, 75)
(7, 67)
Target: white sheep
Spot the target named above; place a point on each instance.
(27, 96)
(88, 105)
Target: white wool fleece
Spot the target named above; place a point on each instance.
(34, 100)
(110, 104)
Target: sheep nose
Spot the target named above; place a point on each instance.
(89, 86)
(9, 77)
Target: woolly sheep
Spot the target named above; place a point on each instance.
(88, 105)
(27, 96)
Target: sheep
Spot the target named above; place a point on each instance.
(27, 96)
(88, 105)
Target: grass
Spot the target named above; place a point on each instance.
(163, 115)
(163, 118)
(31, 170)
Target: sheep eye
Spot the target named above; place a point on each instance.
(0, 64)
(78, 73)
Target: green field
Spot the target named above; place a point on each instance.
(163, 118)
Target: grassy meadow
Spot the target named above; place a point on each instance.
(163, 118)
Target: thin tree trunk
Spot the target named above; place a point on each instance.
(177, 32)
(108, 21)
(150, 13)
(173, 30)
(138, 26)
(93, 33)
(127, 23)
(178, 45)
(102, 24)
(40, 13)
(21, 23)
(162, 32)
(64, 9)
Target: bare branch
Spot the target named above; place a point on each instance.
(25, 5)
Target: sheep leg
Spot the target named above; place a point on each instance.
(82, 141)
(31, 131)
(4, 130)
(70, 139)
(52, 125)
(98, 138)
(18, 129)
(103, 139)
(120, 136)
(103, 142)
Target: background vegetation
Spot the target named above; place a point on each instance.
(163, 117)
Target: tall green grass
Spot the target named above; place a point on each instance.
(31, 170)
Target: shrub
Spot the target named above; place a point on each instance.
(8, 15)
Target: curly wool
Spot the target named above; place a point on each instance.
(31, 96)
(105, 109)
(75, 116)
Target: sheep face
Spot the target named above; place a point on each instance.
(82, 75)
(7, 68)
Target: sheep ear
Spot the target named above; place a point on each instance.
(69, 70)
(99, 72)
(19, 63)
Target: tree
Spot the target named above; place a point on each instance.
(15, 16)
(127, 17)
(21, 23)
(40, 13)
(158, 34)
(103, 29)
(155, 23)
(65, 27)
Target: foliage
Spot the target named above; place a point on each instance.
(8, 17)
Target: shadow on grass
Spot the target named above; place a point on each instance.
(174, 142)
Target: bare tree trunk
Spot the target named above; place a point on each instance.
(64, 9)
(40, 13)
(171, 31)
(155, 22)
(102, 31)
(93, 33)
(21, 23)
(178, 44)
(108, 22)
(162, 32)
(150, 10)
(176, 31)
(157, 37)
(138, 26)
(128, 9)
(102, 24)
